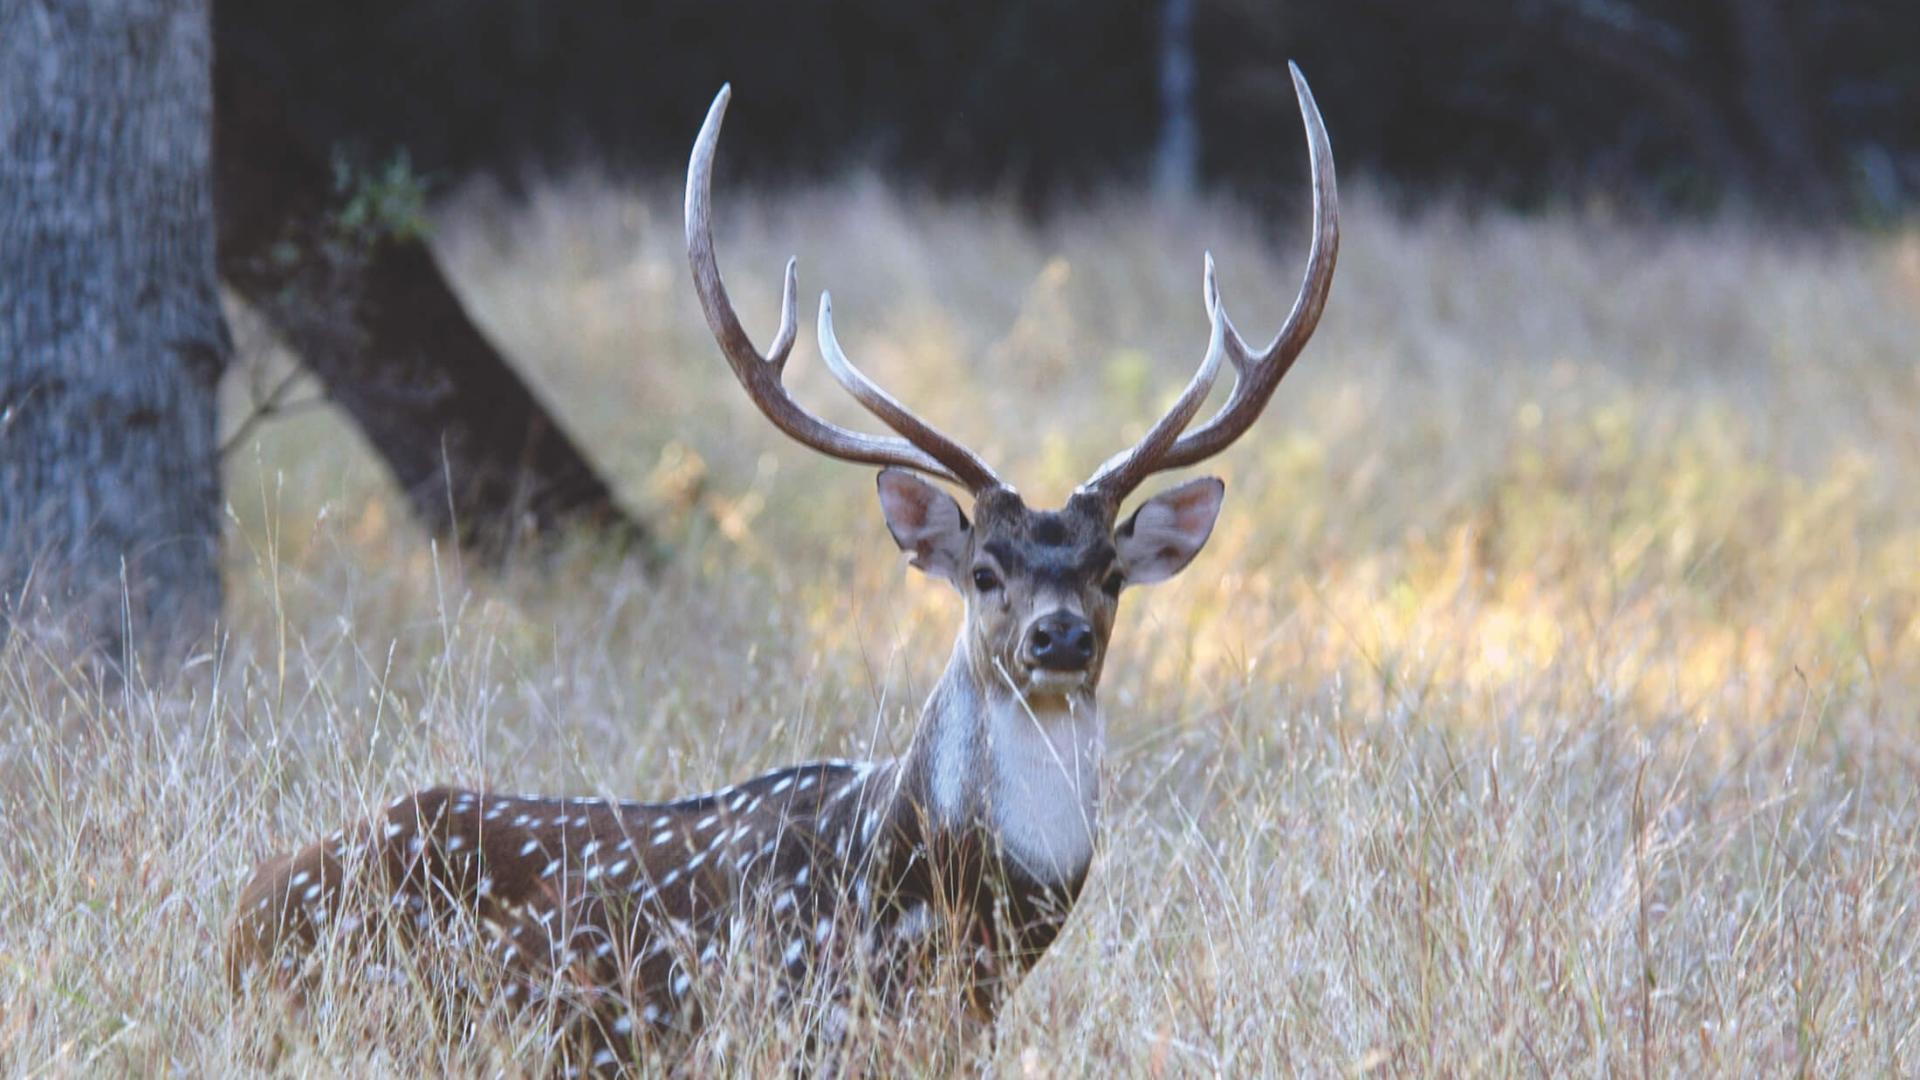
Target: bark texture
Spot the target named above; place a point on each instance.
(112, 339)
(365, 306)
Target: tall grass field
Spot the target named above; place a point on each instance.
(1546, 703)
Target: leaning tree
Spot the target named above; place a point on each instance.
(112, 340)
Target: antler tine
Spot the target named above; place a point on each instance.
(1256, 376)
(760, 375)
(960, 461)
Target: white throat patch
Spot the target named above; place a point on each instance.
(1043, 781)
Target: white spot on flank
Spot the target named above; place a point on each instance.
(807, 782)
(672, 876)
(785, 783)
(784, 901)
(650, 1013)
(521, 819)
(801, 877)
(624, 1025)
(580, 822)
(706, 822)
(662, 837)
(914, 924)
(661, 822)
(793, 950)
(619, 868)
(313, 893)
(591, 846)
(300, 878)
(529, 847)
(694, 863)
(455, 843)
(821, 930)
(550, 868)
(394, 829)
(737, 801)
(681, 982)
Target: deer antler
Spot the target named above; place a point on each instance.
(922, 449)
(1255, 376)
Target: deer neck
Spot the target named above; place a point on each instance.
(1023, 771)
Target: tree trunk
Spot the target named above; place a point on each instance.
(365, 306)
(1176, 156)
(112, 340)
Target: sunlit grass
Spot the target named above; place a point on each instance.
(1548, 699)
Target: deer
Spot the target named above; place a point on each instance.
(968, 850)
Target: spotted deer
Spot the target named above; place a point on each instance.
(969, 849)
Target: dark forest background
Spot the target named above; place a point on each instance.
(1798, 107)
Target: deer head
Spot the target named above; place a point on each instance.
(1041, 586)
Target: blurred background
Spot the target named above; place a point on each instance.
(1806, 108)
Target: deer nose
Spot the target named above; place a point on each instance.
(1060, 641)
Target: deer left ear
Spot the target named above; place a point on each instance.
(1168, 530)
(925, 522)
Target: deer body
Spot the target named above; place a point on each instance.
(633, 902)
(961, 858)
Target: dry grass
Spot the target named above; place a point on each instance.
(1546, 702)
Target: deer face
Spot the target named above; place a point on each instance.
(1042, 586)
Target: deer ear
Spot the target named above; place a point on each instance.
(1168, 530)
(925, 522)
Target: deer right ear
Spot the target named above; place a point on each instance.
(925, 522)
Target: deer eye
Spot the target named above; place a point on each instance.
(1112, 585)
(985, 580)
